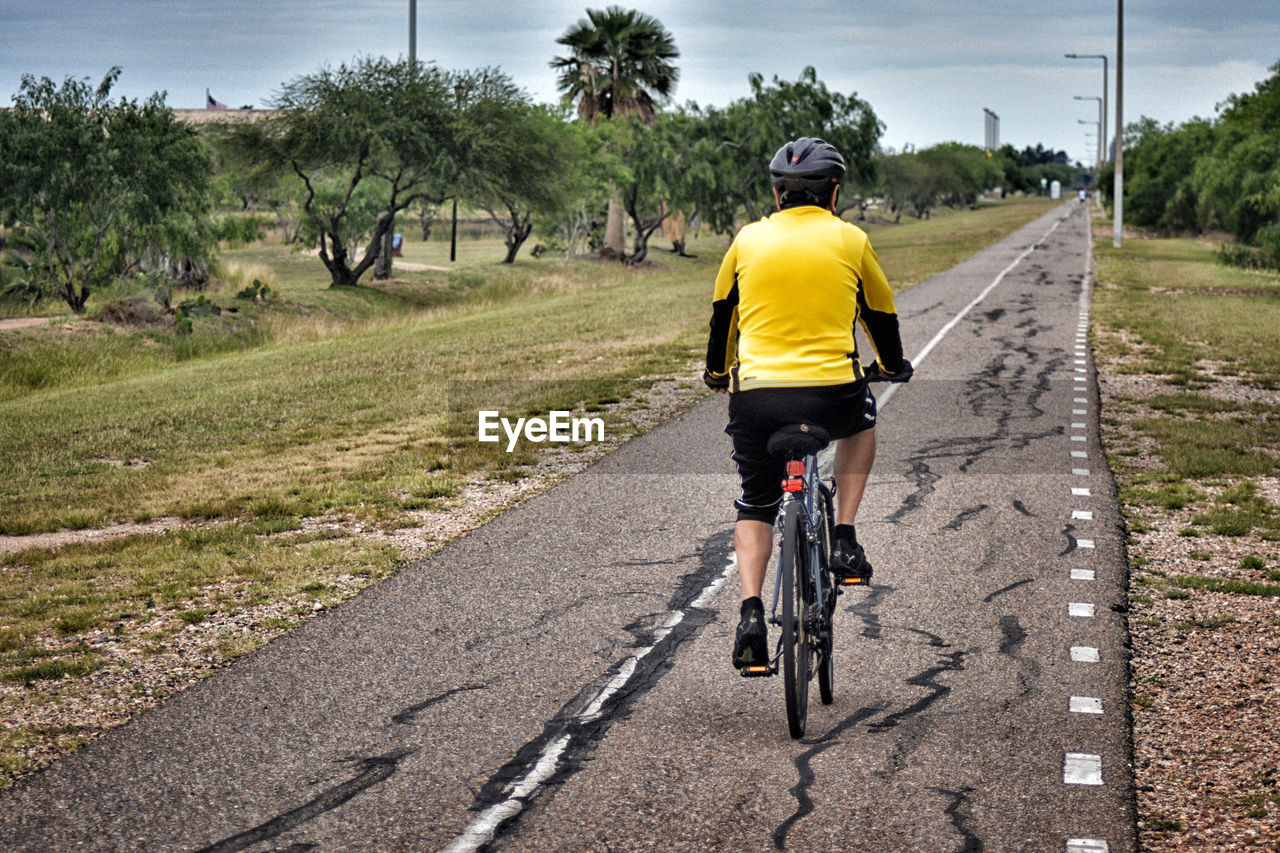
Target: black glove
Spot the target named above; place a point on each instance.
(875, 373)
(715, 383)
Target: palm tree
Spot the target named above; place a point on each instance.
(619, 64)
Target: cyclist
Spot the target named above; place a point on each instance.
(789, 291)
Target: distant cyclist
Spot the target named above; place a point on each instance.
(789, 292)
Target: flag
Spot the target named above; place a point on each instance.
(211, 104)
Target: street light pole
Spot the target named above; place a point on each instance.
(1101, 124)
(413, 32)
(1117, 236)
(1103, 57)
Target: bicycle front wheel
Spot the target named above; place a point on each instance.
(797, 654)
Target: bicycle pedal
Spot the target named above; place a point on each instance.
(756, 671)
(855, 581)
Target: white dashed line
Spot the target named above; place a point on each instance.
(1084, 654)
(1082, 514)
(1079, 438)
(1078, 492)
(1079, 454)
(1082, 768)
(1084, 543)
(1087, 845)
(1082, 574)
(1085, 705)
(1080, 472)
(1079, 399)
(1080, 610)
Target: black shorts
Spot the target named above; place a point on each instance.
(754, 415)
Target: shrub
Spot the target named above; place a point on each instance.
(134, 312)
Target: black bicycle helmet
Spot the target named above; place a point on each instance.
(807, 168)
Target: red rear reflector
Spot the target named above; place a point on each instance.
(795, 468)
(792, 484)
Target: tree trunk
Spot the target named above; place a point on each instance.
(382, 267)
(615, 229)
(517, 233)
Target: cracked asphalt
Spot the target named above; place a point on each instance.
(457, 688)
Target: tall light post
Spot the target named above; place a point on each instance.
(1117, 234)
(1100, 122)
(1103, 128)
(993, 129)
(413, 32)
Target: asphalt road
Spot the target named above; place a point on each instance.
(559, 679)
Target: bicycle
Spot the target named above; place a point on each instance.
(803, 581)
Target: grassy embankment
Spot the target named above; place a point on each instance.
(317, 404)
(1190, 356)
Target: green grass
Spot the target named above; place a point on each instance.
(1185, 308)
(1239, 587)
(1192, 321)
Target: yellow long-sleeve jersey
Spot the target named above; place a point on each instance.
(789, 291)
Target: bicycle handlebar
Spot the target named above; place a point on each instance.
(874, 373)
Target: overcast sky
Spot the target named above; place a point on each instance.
(927, 67)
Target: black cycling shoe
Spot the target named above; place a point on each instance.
(751, 647)
(849, 563)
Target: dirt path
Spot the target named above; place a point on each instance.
(23, 322)
(58, 538)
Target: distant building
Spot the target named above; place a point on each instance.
(206, 116)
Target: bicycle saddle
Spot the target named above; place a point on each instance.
(796, 441)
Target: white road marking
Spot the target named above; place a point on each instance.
(1077, 492)
(1080, 610)
(1084, 654)
(951, 324)
(480, 831)
(1078, 425)
(1085, 705)
(1082, 574)
(1087, 845)
(1079, 411)
(1079, 438)
(1079, 399)
(1079, 454)
(1080, 472)
(1082, 514)
(1084, 543)
(1082, 768)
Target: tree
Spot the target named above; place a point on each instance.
(652, 163)
(740, 140)
(100, 187)
(531, 169)
(375, 130)
(1238, 181)
(1159, 166)
(962, 173)
(619, 64)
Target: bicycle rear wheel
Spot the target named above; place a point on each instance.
(797, 654)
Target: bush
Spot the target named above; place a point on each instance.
(135, 312)
(256, 291)
(199, 307)
(1248, 257)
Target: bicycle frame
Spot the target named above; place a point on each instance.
(815, 499)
